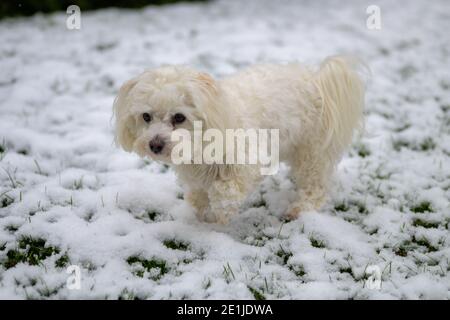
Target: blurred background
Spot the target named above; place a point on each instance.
(11, 8)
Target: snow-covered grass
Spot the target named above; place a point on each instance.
(68, 196)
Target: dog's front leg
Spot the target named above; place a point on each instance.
(198, 199)
(225, 198)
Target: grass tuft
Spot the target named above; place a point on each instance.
(62, 261)
(424, 206)
(425, 243)
(77, 184)
(152, 214)
(156, 267)
(410, 245)
(284, 255)
(11, 228)
(6, 201)
(31, 251)
(256, 294)
(228, 272)
(403, 249)
(176, 245)
(427, 144)
(298, 270)
(398, 145)
(317, 243)
(363, 151)
(425, 224)
(127, 295)
(347, 270)
(341, 207)
(347, 206)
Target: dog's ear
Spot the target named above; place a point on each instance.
(207, 82)
(210, 102)
(124, 122)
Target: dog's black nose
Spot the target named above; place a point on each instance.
(157, 144)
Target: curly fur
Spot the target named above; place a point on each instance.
(316, 113)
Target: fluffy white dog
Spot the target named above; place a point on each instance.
(316, 113)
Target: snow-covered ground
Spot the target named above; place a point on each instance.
(68, 196)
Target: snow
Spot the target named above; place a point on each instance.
(63, 180)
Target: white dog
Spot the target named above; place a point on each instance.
(316, 113)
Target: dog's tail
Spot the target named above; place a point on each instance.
(341, 89)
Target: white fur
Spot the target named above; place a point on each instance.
(315, 111)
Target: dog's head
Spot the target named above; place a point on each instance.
(152, 105)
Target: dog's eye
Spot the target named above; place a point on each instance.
(178, 118)
(147, 117)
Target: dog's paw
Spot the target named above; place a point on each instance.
(224, 217)
(292, 213)
(209, 216)
(297, 208)
(295, 211)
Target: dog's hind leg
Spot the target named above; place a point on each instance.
(311, 174)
